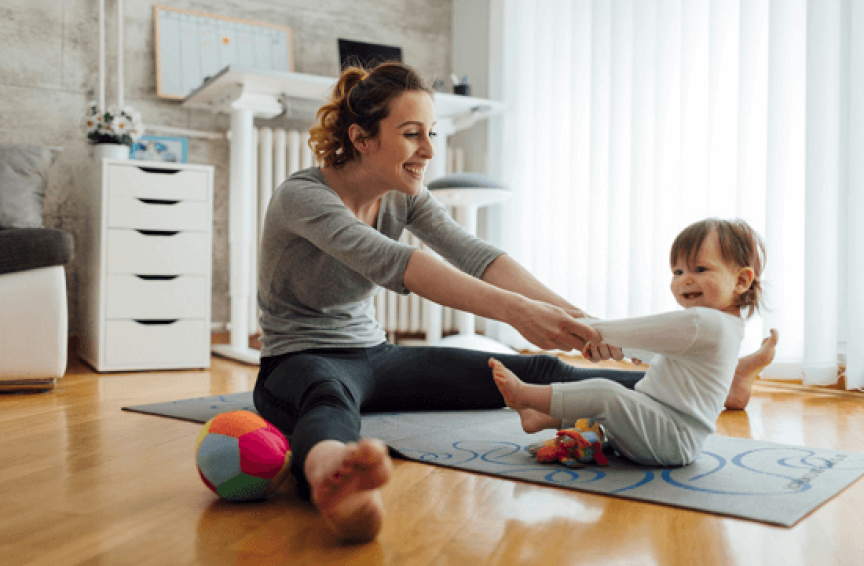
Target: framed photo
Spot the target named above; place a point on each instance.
(160, 148)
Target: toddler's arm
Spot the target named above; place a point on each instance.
(635, 355)
(668, 333)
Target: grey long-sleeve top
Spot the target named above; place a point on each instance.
(320, 266)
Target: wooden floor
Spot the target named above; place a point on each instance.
(82, 482)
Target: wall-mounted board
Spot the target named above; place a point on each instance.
(191, 47)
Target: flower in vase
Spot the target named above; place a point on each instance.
(116, 125)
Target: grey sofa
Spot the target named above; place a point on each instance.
(34, 317)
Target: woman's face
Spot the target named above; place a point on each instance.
(400, 153)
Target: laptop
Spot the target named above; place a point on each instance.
(366, 55)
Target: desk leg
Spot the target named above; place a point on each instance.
(432, 311)
(240, 237)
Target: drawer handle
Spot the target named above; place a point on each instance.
(158, 201)
(159, 170)
(156, 277)
(152, 322)
(159, 232)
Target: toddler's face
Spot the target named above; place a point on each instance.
(709, 282)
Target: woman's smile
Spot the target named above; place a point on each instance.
(415, 170)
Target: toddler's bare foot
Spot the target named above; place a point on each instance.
(511, 388)
(508, 384)
(345, 481)
(749, 368)
(535, 421)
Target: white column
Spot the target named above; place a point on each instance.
(431, 310)
(252, 274)
(467, 321)
(824, 54)
(241, 198)
(239, 236)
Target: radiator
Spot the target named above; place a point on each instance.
(279, 153)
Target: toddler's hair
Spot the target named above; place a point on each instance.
(740, 245)
(360, 97)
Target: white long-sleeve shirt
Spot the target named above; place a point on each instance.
(697, 352)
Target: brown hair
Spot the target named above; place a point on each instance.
(739, 245)
(360, 97)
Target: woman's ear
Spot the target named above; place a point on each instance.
(359, 138)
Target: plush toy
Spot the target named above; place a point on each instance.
(573, 447)
(241, 456)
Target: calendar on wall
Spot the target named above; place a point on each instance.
(191, 47)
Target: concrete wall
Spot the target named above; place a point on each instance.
(49, 66)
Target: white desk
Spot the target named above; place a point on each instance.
(468, 200)
(247, 94)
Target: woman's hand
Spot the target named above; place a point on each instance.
(599, 352)
(551, 328)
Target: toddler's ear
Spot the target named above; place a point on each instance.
(746, 275)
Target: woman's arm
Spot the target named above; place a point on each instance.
(545, 325)
(507, 273)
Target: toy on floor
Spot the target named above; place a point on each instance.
(240, 456)
(573, 447)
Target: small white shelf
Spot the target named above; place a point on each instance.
(147, 256)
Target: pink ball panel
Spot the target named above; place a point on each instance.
(262, 453)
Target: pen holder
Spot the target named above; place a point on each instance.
(462, 89)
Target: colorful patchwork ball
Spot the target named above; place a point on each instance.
(240, 455)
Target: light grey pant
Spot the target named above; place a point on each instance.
(639, 427)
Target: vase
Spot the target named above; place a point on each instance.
(112, 151)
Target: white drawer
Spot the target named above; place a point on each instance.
(130, 251)
(184, 296)
(152, 182)
(158, 214)
(181, 343)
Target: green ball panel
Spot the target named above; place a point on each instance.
(243, 487)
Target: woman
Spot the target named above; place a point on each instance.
(330, 240)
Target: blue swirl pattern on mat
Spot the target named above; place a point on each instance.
(754, 479)
(705, 474)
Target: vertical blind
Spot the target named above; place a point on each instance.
(629, 119)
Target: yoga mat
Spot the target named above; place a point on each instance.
(751, 479)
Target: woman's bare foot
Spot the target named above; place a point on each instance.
(345, 481)
(511, 388)
(749, 368)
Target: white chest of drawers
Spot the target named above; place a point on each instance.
(148, 255)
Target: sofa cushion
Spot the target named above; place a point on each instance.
(23, 182)
(30, 248)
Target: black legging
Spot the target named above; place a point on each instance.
(318, 395)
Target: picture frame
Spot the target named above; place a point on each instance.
(165, 149)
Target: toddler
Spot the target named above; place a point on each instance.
(692, 354)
